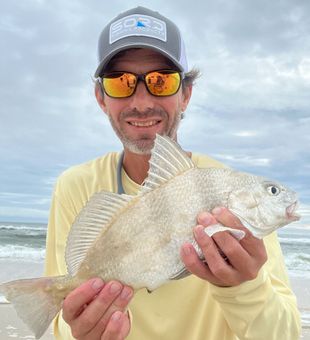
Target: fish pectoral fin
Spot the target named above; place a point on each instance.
(167, 161)
(181, 274)
(215, 228)
(92, 220)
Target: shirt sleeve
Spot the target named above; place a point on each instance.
(263, 308)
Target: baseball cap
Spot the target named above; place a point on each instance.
(141, 27)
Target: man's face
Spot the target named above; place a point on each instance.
(138, 118)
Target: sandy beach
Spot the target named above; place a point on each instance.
(12, 327)
(10, 324)
(302, 291)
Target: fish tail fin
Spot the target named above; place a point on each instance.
(34, 301)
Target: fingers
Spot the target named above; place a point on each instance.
(118, 327)
(193, 262)
(206, 219)
(228, 262)
(225, 217)
(94, 309)
(224, 273)
(79, 297)
(112, 299)
(215, 269)
(253, 246)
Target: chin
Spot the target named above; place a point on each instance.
(140, 147)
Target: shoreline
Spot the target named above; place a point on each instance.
(12, 327)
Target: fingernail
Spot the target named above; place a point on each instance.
(186, 250)
(217, 211)
(199, 230)
(97, 284)
(126, 293)
(115, 287)
(205, 218)
(116, 316)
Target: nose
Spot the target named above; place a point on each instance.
(141, 100)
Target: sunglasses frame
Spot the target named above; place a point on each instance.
(141, 77)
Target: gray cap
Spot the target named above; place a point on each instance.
(141, 28)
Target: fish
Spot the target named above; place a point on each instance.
(137, 239)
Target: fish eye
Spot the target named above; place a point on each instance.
(273, 190)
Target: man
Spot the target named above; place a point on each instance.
(143, 85)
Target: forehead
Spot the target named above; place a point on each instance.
(139, 58)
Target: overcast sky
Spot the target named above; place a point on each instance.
(250, 108)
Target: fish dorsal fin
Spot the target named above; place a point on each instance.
(90, 223)
(167, 161)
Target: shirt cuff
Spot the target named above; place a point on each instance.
(242, 289)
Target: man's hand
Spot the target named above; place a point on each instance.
(228, 262)
(95, 310)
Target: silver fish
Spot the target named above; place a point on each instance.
(137, 239)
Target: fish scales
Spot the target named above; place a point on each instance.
(149, 233)
(137, 239)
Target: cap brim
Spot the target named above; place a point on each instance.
(120, 48)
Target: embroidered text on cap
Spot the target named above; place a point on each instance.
(138, 25)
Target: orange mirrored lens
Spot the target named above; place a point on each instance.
(119, 85)
(163, 84)
(158, 83)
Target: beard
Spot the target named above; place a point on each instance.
(145, 142)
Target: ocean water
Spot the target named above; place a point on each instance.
(295, 244)
(22, 241)
(26, 242)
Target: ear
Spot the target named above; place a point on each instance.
(186, 96)
(100, 97)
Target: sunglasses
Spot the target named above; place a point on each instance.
(161, 83)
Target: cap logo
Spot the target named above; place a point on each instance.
(138, 25)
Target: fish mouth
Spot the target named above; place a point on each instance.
(291, 213)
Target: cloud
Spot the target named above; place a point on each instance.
(250, 108)
(245, 133)
(243, 160)
(9, 213)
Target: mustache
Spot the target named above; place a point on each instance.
(149, 113)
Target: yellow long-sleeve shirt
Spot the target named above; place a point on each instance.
(189, 309)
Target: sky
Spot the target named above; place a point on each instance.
(249, 109)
